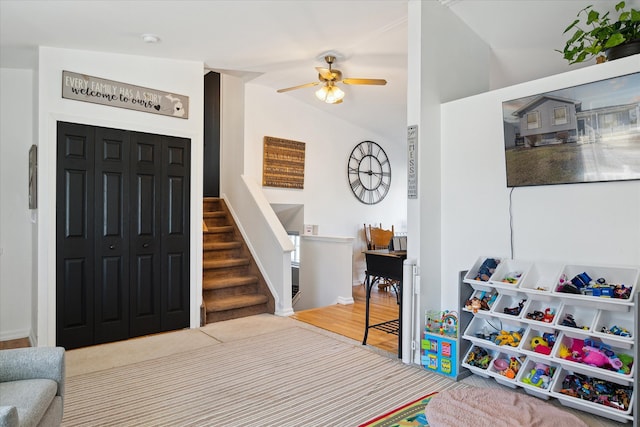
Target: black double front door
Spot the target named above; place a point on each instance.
(122, 234)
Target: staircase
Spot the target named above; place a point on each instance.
(232, 285)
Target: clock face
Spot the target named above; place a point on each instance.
(369, 172)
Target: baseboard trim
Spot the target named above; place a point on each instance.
(345, 300)
(14, 335)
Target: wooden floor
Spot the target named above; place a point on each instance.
(17, 343)
(348, 320)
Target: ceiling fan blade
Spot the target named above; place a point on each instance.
(298, 87)
(379, 82)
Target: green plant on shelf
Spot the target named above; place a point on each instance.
(594, 33)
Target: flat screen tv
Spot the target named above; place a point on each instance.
(585, 133)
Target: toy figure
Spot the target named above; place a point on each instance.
(600, 357)
(569, 321)
(514, 311)
(487, 268)
(511, 338)
(539, 376)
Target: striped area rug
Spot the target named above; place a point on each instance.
(292, 377)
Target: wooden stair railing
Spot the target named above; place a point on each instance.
(232, 285)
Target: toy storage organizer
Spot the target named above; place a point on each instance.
(442, 346)
(574, 344)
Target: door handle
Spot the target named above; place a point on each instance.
(146, 245)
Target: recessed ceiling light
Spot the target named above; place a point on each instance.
(150, 38)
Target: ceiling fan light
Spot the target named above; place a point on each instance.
(322, 93)
(334, 95)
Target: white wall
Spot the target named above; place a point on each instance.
(438, 72)
(182, 77)
(16, 228)
(327, 197)
(594, 223)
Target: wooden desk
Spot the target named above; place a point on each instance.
(384, 264)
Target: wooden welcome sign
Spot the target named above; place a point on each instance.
(81, 87)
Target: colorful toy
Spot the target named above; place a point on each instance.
(583, 284)
(550, 338)
(479, 357)
(575, 353)
(549, 314)
(564, 352)
(482, 302)
(508, 368)
(536, 315)
(514, 311)
(442, 322)
(540, 345)
(511, 338)
(616, 330)
(487, 268)
(538, 340)
(540, 376)
(512, 278)
(600, 356)
(570, 322)
(627, 361)
(599, 391)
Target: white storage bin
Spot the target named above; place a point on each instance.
(569, 344)
(583, 317)
(489, 297)
(614, 328)
(472, 275)
(528, 348)
(508, 302)
(534, 382)
(512, 365)
(628, 276)
(485, 332)
(543, 310)
(509, 274)
(478, 359)
(540, 280)
(594, 407)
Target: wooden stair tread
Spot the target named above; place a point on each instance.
(212, 246)
(228, 282)
(215, 304)
(224, 263)
(214, 229)
(214, 214)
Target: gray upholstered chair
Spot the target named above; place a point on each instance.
(32, 386)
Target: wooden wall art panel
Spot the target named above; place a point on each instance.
(283, 163)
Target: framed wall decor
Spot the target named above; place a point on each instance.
(283, 163)
(585, 133)
(33, 177)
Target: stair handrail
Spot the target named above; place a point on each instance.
(266, 239)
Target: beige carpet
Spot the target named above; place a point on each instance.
(261, 371)
(291, 376)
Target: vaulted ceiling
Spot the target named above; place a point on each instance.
(279, 43)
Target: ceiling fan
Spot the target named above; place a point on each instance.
(328, 77)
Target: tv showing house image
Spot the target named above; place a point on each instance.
(585, 133)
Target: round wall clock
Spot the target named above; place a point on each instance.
(369, 172)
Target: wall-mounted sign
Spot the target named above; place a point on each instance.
(412, 162)
(81, 87)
